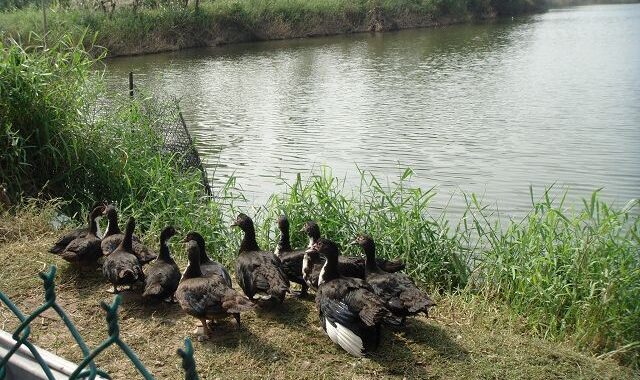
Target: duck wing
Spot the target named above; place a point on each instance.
(85, 249)
(64, 240)
(257, 273)
(351, 314)
(400, 294)
(215, 268)
(292, 265)
(161, 280)
(390, 266)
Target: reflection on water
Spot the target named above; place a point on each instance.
(491, 108)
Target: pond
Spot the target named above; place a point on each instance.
(491, 108)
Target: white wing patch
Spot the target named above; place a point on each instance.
(345, 338)
(321, 278)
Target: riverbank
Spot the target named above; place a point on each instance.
(465, 336)
(126, 31)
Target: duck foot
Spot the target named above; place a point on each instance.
(206, 333)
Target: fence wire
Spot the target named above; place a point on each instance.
(87, 368)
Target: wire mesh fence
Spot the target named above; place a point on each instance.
(87, 368)
(175, 134)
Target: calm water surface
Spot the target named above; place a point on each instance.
(491, 108)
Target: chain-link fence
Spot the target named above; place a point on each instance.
(87, 368)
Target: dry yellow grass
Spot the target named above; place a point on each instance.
(464, 338)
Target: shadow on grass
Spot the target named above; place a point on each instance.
(292, 313)
(420, 332)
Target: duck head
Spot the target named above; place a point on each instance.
(167, 233)
(283, 223)
(330, 250)
(312, 230)
(243, 221)
(193, 253)
(193, 236)
(364, 241)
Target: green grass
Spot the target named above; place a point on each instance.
(172, 27)
(465, 337)
(562, 274)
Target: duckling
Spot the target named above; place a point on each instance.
(259, 273)
(209, 297)
(63, 241)
(291, 260)
(350, 312)
(163, 275)
(113, 237)
(400, 294)
(208, 266)
(122, 267)
(85, 250)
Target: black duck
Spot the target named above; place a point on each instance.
(259, 273)
(122, 267)
(207, 298)
(113, 237)
(207, 266)
(350, 313)
(162, 275)
(291, 260)
(85, 250)
(401, 296)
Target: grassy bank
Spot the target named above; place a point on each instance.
(169, 26)
(570, 276)
(466, 336)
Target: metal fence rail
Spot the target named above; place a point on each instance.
(87, 368)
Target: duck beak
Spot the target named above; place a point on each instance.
(353, 242)
(234, 224)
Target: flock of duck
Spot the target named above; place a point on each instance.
(354, 296)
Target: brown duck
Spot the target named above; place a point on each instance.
(162, 276)
(113, 237)
(258, 272)
(122, 267)
(348, 266)
(64, 240)
(208, 266)
(85, 250)
(350, 312)
(207, 298)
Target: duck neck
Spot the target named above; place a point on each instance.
(164, 255)
(249, 242)
(329, 270)
(204, 258)
(93, 225)
(284, 245)
(127, 242)
(112, 226)
(370, 253)
(193, 270)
